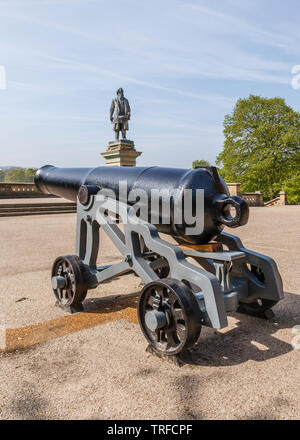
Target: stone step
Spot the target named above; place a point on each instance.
(16, 208)
(36, 212)
(37, 208)
(35, 205)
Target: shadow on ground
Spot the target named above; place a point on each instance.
(252, 339)
(110, 304)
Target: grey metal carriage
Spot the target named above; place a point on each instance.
(191, 283)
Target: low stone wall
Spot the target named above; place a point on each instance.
(253, 199)
(256, 198)
(15, 190)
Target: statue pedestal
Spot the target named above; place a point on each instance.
(121, 153)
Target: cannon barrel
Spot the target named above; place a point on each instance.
(66, 182)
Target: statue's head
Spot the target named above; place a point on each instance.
(120, 92)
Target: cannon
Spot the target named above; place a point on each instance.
(194, 281)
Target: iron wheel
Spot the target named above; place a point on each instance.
(69, 281)
(169, 316)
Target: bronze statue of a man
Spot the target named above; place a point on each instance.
(120, 114)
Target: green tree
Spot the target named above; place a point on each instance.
(261, 148)
(2, 175)
(29, 174)
(15, 175)
(292, 187)
(200, 163)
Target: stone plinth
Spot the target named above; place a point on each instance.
(283, 198)
(234, 188)
(121, 153)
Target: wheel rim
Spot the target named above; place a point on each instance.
(177, 303)
(71, 269)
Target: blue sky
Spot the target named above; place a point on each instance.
(182, 64)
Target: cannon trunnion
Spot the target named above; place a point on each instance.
(179, 296)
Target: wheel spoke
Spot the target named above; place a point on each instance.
(59, 270)
(172, 298)
(171, 339)
(159, 291)
(69, 294)
(150, 300)
(178, 314)
(181, 332)
(66, 294)
(157, 336)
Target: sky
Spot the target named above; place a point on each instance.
(182, 64)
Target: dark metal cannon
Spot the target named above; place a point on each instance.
(66, 183)
(178, 297)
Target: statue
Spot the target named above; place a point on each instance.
(120, 114)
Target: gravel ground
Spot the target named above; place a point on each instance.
(94, 364)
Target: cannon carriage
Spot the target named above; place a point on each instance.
(191, 283)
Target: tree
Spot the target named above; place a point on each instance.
(2, 175)
(15, 175)
(200, 163)
(292, 187)
(29, 174)
(261, 148)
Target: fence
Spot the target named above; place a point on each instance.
(14, 190)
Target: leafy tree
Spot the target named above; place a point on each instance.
(261, 149)
(2, 175)
(29, 174)
(200, 163)
(15, 175)
(292, 187)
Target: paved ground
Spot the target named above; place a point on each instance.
(33, 200)
(94, 364)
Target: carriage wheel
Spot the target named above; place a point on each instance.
(169, 316)
(69, 281)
